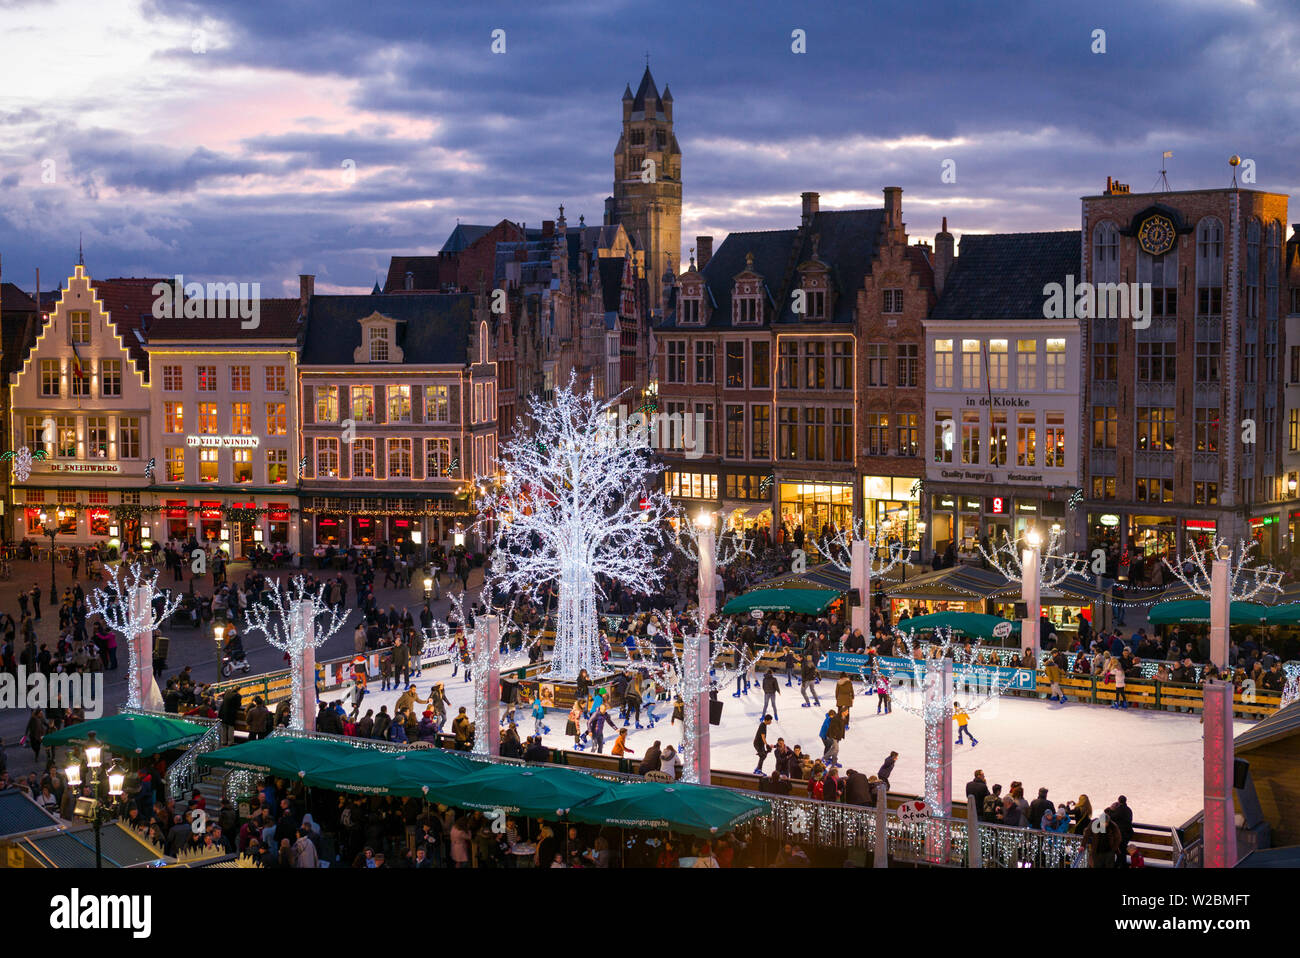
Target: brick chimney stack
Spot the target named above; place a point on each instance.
(894, 208)
(811, 202)
(306, 287)
(703, 251)
(943, 256)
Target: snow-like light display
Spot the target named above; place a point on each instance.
(1245, 581)
(131, 615)
(575, 504)
(293, 620)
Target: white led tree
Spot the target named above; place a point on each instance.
(1036, 569)
(865, 553)
(945, 674)
(575, 504)
(705, 663)
(126, 605)
(710, 548)
(297, 620)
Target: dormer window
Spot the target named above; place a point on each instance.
(893, 301)
(379, 344)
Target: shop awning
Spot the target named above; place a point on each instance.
(969, 625)
(131, 733)
(957, 583)
(1285, 614)
(693, 809)
(805, 601)
(1197, 612)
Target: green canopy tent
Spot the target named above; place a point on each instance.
(1288, 614)
(131, 733)
(1197, 612)
(806, 601)
(535, 792)
(694, 809)
(969, 625)
(340, 767)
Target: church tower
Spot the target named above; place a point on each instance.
(647, 198)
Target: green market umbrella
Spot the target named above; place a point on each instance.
(807, 601)
(373, 772)
(1288, 614)
(283, 755)
(131, 733)
(517, 790)
(1197, 612)
(970, 625)
(694, 809)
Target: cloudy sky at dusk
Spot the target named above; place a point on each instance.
(211, 139)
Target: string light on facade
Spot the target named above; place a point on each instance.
(292, 620)
(117, 605)
(576, 505)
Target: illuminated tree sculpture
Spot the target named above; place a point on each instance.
(704, 665)
(1245, 581)
(297, 620)
(575, 504)
(127, 607)
(709, 548)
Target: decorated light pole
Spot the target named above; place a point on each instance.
(126, 607)
(297, 621)
(1035, 568)
(864, 552)
(1224, 575)
(1220, 832)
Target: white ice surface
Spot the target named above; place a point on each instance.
(1154, 758)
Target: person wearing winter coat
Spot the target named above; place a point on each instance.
(382, 721)
(327, 720)
(427, 731)
(1038, 806)
(808, 680)
(771, 689)
(463, 729)
(1054, 676)
(596, 727)
(539, 716)
(304, 851)
(1117, 676)
(844, 694)
(834, 735)
(977, 789)
(397, 730)
(887, 769)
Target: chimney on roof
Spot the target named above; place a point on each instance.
(409, 283)
(703, 251)
(548, 228)
(894, 207)
(943, 256)
(810, 206)
(306, 287)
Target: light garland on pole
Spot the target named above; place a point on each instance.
(127, 607)
(692, 674)
(865, 553)
(288, 619)
(1036, 568)
(575, 504)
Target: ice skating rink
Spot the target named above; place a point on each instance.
(1152, 757)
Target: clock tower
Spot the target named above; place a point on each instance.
(647, 198)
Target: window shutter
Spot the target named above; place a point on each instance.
(308, 405)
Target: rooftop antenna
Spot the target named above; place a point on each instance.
(81, 256)
(647, 59)
(1164, 179)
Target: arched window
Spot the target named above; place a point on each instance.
(1273, 256)
(1209, 267)
(1162, 273)
(1105, 253)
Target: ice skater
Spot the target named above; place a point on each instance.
(760, 743)
(808, 681)
(963, 724)
(884, 694)
(771, 689)
(539, 718)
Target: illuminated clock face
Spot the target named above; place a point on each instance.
(1156, 235)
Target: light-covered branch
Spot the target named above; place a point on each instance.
(1245, 581)
(116, 605)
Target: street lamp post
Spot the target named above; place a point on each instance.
(94, 810)
(51, 529)
(219, 634)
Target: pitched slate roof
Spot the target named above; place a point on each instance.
(425, 273)
(462, 236)
(847, 242)
(129, 302)
(647, 88)
(11, 297)
(19, 324)
(277, 320)
(18, 813)
(1002, 275)
(433, 328)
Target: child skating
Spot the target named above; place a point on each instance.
(963, 724)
